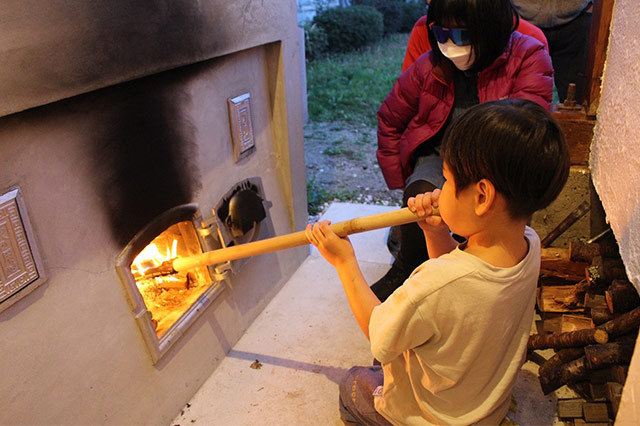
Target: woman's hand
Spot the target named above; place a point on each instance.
(334, 249)
(423, 205)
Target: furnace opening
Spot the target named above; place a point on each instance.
(167, 297)
(165, 303)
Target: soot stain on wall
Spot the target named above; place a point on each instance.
(145, 152)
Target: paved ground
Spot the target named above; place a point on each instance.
(285, 369)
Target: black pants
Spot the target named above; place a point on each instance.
(568, 47)
(413, 247)
(412, 251)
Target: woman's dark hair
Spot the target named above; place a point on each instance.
(517, 145)
(490, 24)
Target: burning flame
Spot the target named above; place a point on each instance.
(167, 297)
(150, 257)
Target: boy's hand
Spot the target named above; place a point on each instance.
(422, 205)
(334, 249)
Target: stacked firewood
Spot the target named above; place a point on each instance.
(590, 318)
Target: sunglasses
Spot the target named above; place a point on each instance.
(460, 36)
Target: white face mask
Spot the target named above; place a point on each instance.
(461, 56)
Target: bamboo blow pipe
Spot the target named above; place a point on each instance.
(348, 227)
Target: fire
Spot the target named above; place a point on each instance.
(150, 257)
(168, 297)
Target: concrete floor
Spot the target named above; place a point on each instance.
(285, 369)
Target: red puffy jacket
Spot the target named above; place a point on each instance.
(422, 99)
(419, 39)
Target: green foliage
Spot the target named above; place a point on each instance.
(316, 196)
(391, 14)
(411, 12)
(349, 28)
(398, 15)
(337, 148)
(315, 41)
(351, 86)
(333, 150)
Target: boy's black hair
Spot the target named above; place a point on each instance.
(490, 24)
(517, 145)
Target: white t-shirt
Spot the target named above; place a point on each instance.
(453, 337)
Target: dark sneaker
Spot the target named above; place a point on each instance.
(390, 282)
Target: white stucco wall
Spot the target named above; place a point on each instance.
(615, 154)
(615, 162)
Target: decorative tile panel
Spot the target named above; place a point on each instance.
(18, 265)
(241, 126)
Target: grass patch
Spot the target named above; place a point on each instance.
(344, 195)
(316, 196)
(333, 150)
(353, 155)
(351, 86)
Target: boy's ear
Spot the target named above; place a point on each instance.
(485, 196)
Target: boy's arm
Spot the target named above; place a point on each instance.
(361, 298)
(439, 242)
(339, 252)
(436, 232)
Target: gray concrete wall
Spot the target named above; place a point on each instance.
(72, 352)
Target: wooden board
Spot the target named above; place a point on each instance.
(613, 393)
(595, 412)
(570, 408)
(566, 269)
(574, 322)
(551, 299)
(554, 253)
(578, 132)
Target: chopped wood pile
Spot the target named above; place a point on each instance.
(590, 318)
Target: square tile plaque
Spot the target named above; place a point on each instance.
(20, 266)
(241, 127)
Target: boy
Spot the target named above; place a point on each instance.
(452, 338)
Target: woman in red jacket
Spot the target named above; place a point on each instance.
(476, 57)
(419, 39)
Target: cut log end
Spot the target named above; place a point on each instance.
(600, 336)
